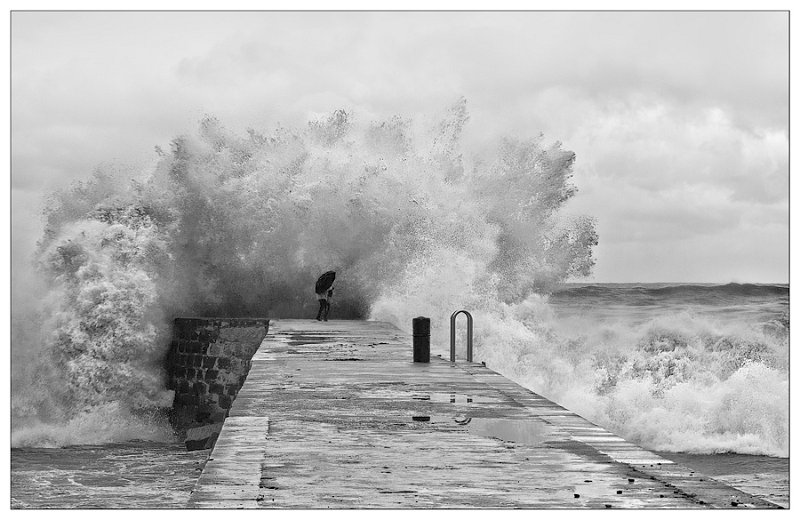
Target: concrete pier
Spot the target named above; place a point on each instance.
(337, 415)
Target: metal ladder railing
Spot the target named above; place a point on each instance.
(453, 335)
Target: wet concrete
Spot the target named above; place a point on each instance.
(526, 432)
(336, 415)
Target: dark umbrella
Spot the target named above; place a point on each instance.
(324, 282)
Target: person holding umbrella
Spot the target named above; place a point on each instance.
(324, 292)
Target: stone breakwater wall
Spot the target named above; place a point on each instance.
(207, 364)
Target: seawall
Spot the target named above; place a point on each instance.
(208, 361)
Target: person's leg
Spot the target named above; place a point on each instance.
(327, 310)
(322, 304)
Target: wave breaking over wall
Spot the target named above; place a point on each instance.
(241, 225)
(230, 224)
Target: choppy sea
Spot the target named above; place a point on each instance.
(696, 373)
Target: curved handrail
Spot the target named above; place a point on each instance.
(453, 335)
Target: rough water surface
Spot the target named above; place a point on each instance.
(764, 477)
(131, 475)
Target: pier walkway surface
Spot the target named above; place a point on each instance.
(336, 415)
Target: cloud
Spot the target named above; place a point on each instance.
(679, 120)
(655, 144)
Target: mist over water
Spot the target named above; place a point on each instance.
(230, 224)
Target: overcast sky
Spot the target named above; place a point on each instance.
(679, 120)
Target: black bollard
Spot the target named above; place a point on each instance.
(422, 339)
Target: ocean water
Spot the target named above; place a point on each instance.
(128, 475)
(764, 477)
(696, 372)
(680, 367)
(708, 337)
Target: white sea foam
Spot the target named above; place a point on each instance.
(677, 383)
(102, 424)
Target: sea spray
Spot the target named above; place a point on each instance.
(99, 361)
(235, 225)
(711, 378)
(689, 383)
(679, 381)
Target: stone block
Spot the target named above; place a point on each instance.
(225, 402)
(208, 334)
(211, 375)
(209, 361)
(185, 328)
(219, 416)
(240, 351)
(224, 349)
(216, 388)
(203, 415)
(189, 411)
(223, 363)
(199, 388)
(182, 399)
(226, 377)
(202, 437)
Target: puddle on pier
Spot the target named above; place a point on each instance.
(310, 340)
(433, 397)
(444, 422)
(593, 490)
(529, 432)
